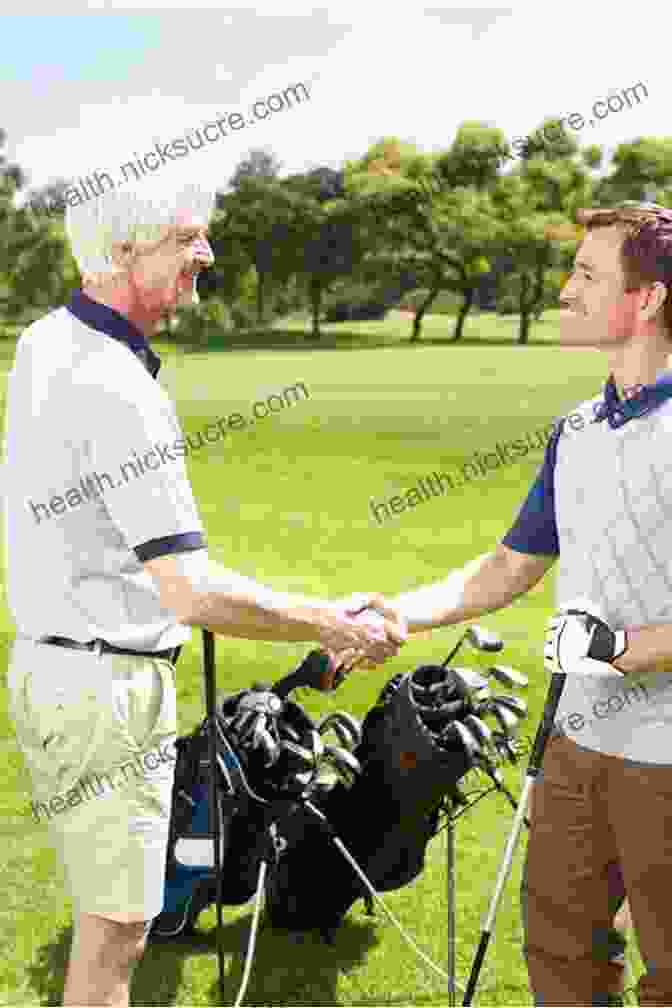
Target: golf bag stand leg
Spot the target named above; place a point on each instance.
(216, 824)
(453, 986)
(533, 769)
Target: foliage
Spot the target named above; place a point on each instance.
(197, 323)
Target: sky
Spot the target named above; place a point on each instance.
(90, 88)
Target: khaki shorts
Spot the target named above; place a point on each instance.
(97, 734)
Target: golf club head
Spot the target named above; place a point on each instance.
(345, 726)
(506, 746)
(515, 705)
(262, 739)
(480, 731)
(472, 680)
(508, 721)
(347, 765)
(317, 745)
(458, 732)
(300, 754)
(474, 686)
(508, 676)
(482, 639)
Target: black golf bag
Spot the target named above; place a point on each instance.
(411, 764)
(383, 802)
(249, 791)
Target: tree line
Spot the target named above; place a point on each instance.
(395, 221)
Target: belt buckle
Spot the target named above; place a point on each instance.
(98, 649)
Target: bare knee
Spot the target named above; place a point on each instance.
(109, 943)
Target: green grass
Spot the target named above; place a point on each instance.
(395, 330)
(288, 501)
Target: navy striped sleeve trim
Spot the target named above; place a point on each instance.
(185, 542)
(535, 529)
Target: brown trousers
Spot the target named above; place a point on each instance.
(599, 829)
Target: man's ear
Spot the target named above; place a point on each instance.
(657, 297)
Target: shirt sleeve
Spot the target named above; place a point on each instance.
(138, 458)
(535, 529)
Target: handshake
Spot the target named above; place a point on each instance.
(362, 630)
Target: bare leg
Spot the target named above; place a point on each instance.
(103, 956)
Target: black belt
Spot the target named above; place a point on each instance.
(102, 647)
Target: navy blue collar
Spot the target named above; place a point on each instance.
(644, 399)
(113, 323)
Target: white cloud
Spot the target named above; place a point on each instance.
(370, 73)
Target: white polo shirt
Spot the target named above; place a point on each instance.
(94, 482)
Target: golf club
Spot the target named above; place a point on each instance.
(315, 670)
(506, 747)
(456, 731)
(299, 752)
(515, 705)
(479, 638)
(347, 765)
(471, 680)
(345, 726)
(508, 721)
(508, 676)
(533, 770)
(481, 731)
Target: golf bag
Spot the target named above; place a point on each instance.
(412, 761)
(394, 775)
(249, 791)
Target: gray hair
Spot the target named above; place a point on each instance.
(124, 215)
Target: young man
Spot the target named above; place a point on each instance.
(602, 506)
(108, 570)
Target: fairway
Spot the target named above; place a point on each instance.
(287, 499)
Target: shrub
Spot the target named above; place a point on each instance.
(196, 323)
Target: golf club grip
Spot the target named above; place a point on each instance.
(476, 968)
(316, 670)
(547, 720)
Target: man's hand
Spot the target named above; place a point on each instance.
(365, 607)
(579, 641)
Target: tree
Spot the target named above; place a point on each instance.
(534, 203)
(641, 169)
(258, 218)
(330, 239)
(430, 222)
(259, 164)
(528, 235)
(36, 270)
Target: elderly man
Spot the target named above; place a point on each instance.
(107, 575)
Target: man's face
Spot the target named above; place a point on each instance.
(597, 311)
(164, 273)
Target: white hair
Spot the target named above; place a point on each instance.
(124, 215)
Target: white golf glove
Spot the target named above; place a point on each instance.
(579, 641)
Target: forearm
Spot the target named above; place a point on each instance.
(649, 650)
(233, 605)
(482, 586)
